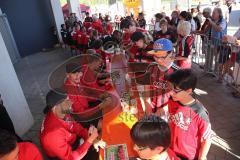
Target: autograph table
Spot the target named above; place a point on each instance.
(116, 124)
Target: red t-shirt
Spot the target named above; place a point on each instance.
(57, 136)
(98, 26)
(87, 25)
(172, 155)
(108, 30)
(102, 53)
(75, 35)
(137, 54)
(82, 38)
(189, 126)
(28, 151)
(133, 51)
(127, 36)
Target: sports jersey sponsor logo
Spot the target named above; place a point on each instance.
(160, 84)
(181, 120)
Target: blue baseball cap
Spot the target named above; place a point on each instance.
(161, 45)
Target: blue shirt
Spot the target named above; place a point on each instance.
(217, 36)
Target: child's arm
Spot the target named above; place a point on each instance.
(205, 146)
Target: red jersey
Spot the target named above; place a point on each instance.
(102, 53)
(75, 34)
(108, 30)
(97, 26)
(158, 77)
(87, 25)
(189, 126)
(28, 151)
(185, 46)
(76, 95)
(134, 50)
(58, 135)
(172, 155)
(139, 54)
(82, 38)
(127, 36)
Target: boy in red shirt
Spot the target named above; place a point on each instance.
(139, 49)
(11, 150)
(61, 135)
(98, 47)
(82, 40)
(152, 137)
(129, 28)
(188, 119)
(156, 73)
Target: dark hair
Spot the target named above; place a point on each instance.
(117, 32)
(136, 36)
(97, 44)
(87, 13)
(184, 14)
(62, 25)
(126, 23)
(175, 12)
(53, 97)
(107, 18)
(140, 14)
(151, 131)
(219, 10)
(8, 142)
(189, 16)
(184, 79)
(159, 16)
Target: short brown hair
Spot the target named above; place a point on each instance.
(163, 21)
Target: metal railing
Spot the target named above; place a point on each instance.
(222, 59)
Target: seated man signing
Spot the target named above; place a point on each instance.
(152, 138)
(61, 135)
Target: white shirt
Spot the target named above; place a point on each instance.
(157, 26)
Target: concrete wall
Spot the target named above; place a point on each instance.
(74, 7)
(30, 21)
(12, 94)
(58, 16)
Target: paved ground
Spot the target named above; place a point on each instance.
(224, 110)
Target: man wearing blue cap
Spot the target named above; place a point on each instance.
(156, 73)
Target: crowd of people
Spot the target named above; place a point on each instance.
(176, 125)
